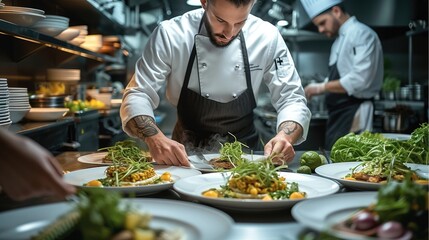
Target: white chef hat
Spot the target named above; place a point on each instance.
(316, 7)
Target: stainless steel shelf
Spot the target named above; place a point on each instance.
(42, 40)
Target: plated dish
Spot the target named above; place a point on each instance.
(81, 177)
(337, 171)
(397, 211)
(319, 212)
(193, 187)
(94, 158)
(26, 222)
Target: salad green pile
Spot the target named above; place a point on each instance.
(125, 152)
(367, 146)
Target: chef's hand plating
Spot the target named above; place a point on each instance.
(281, 146)
(162, 149)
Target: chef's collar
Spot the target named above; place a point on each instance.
(346, 25)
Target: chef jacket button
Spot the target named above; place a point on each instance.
(237, 67)
(204, 65)
(234, 95)
(207, 95)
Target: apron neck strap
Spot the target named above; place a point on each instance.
(244, 53)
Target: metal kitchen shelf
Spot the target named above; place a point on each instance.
(93, 14)
(28, 35)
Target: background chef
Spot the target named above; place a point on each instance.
(355, 69)
(213, 61)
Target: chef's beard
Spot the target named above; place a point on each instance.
(212, 36)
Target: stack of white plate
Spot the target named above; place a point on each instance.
(19, 103)
(52, 25)
(21, 16)
(4, 104)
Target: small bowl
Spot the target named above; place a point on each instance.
(18, 115)
(46, 114)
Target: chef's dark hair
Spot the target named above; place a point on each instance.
(239, 3)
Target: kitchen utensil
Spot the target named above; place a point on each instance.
(395, 122)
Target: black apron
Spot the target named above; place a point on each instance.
(203, 123)
(341, 111)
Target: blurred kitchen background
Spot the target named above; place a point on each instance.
(112, 33)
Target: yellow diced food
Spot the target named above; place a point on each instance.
(94, 183)
(211, 193)
(296, 195)
(267, 198)
(143, 234)
(166, 176)
(350, 178)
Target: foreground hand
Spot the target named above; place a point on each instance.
(314, 89)
(28, 170)
(280, 148)
(166, 151)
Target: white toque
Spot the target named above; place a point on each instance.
(316, 7)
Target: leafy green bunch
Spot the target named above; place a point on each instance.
(232, 151)
(124, 152)
(264, 171)
(367, 146)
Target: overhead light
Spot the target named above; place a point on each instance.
(193, 2)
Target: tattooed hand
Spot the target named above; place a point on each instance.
(281, 146)
(162, 149)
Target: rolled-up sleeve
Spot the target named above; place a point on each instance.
(151, 70)
(287, 93)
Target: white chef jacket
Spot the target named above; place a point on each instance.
(359, 57)
(166, 55)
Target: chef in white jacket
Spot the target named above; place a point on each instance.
(355, 69)
(213, 61)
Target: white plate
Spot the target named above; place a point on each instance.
(196, 221)
(320, 213)
(93, 158)
(338, 171)
(202, 166)
(25, 19)
(192, 187)
(46, 114)
(80, 177)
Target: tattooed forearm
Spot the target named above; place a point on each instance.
(288, 127)
(143, 126)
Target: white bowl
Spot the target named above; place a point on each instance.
(18, 115)
(46, 114)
